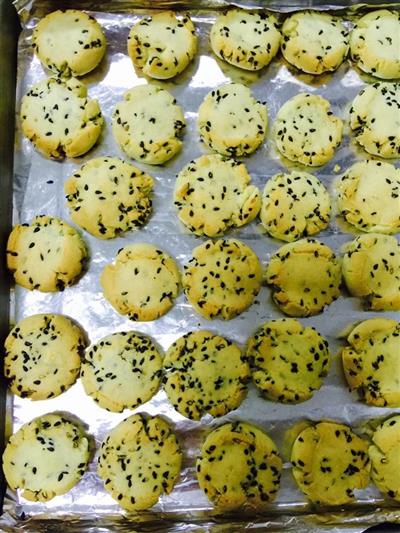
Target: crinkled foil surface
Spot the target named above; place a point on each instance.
(39, 190)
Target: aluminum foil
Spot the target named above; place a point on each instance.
(39, 190)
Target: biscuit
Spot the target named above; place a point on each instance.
(122, 371)
(294, 205)
(375, 43)
(162, 45)
(246, 39)
(46, 457)
(370, 361)
(48, 254)
(231, 121)
(142, 282)
(222, 278)
(148, 124)
(213, 194)
(374, 119)
(314, 42)
(306, 131)
(239, 464)
(371, 270)
(140, 459)
(287, 360)
(60, 119)
(329, 463)
(108, 196)
(43, 356)
(70, 42)
(205, 374)
(304, 277)
(368, 196)
(384, 454)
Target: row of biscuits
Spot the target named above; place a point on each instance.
(238, 464)
(163, 45)
(60, 120)
(220, 280)
(201, 373)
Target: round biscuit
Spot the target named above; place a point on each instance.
(122, 371)
(294, 205)
(142, 282)
(304, 277)
(46, 457)
(306, 131)
(222, 278)
(205, 374)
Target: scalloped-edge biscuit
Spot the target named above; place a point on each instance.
(46, 457)
(108, 196)
(374, 117)
(304, 277)
(122, 371)
(371, 270)
(287, 360)
(329, 462)
(384, 454)
(140, 459)
(43, 356)
(239, 465)
(162, 45)
(69, 42)
(369, 196)
(306, 131)
(371, 363)
(222, 278)
(148, 124)
(213, 194)
(294, 205)
(48, 254)
(246, 39)
(205, 374)
(314, 42)
(59, 119)
(231, 121)
(375, 43)
(142, 282)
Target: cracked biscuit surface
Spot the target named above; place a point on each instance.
(69, 42)
(239, 465)
(48, 254)
(246, 39)
(140, 459)
(163, 44)
(314, 42)
(213, 195)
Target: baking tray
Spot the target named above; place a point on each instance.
(296, 518)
